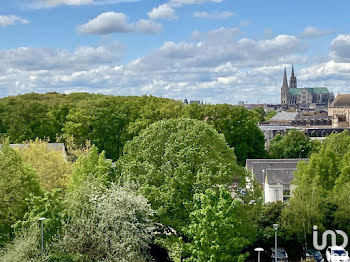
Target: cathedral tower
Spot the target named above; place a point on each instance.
(292, 80)
(284, 91)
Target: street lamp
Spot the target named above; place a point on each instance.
(259, 249)
(301, 152)
(275, 226)
(42, 234)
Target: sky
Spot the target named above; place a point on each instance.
(218, 51)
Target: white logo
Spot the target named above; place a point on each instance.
(324, 238)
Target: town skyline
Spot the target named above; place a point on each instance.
(216, 51)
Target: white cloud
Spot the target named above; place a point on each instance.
(7, 20)
(313, 32)
(107, 23)
(164, 11)
(112, 22)
(340, 48)
(214, 15)
(148, 27)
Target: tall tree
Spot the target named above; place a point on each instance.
(17, 182)
(172, 160)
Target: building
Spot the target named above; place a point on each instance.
(275, 176)
(303, 98)
(339, 111)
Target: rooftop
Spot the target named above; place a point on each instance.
(310, 90)
(284, 116)
(341, 101)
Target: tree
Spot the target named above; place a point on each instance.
(294, 144)
(116, 226)
(91, 166)
(51, 166)
(220, 227)
(239, 126)
(172, 160)
(17, 183)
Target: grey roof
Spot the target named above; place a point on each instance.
(341, 101)
(282, 176)
(256, 166)
(284, 116)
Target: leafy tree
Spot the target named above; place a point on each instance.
(115, 226)
(260, 110)
(51, 166)
(24, 248)
(91, 166)
(239, 126)
(17, 183)
(294, 144)
(220, 227)
(174, 159)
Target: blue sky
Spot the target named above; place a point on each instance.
(219, 51)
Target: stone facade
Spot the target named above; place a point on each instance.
(339, 110)
(292, 96)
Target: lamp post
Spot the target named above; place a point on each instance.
(42, 234)
(259, 249)
(301, 152)
(275, 226)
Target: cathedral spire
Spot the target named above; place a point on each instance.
(285, 81)
(293, 79)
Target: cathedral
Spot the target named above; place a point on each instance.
(294, 97)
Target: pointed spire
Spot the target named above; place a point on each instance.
(292, 70)
(285, 81)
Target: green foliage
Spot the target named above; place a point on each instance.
(116, 225)
(220, 227)
(51, 166)
(24, 248)
(321, 197)
(239, 126)
(292, 145)
(262, 114)
(270, 115)
(51, 206)
(91, 166)
(174, 159)
(17, 183)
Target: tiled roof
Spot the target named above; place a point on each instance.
(341, 101)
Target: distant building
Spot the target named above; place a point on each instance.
(192, 102)
(275, 176)
(294, 97)
(339, 111)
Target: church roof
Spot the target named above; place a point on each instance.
(310, 90)
(341, 101)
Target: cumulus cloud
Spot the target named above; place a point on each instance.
(164, 11)
(313, 32)
(340, 48)
(213, 15)
(107, 23)
(7, 20)
(112, 22)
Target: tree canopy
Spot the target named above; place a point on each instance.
(172, 160)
